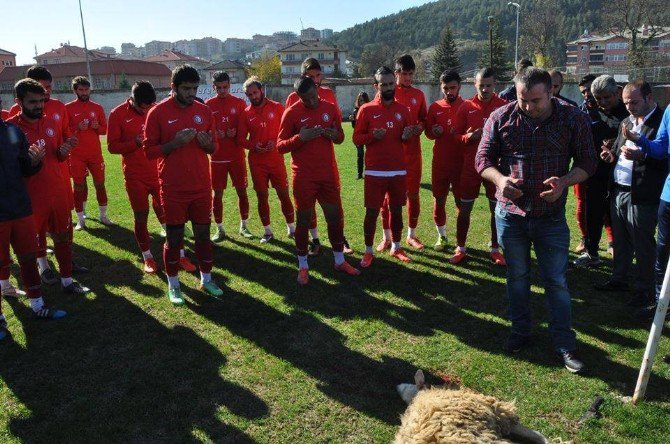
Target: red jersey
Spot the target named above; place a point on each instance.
(125, 124)
(443, 113)
(49, 180)
(227, 112)
(415, 101)
(261, 124)
(313, 160)
(185, 171)
(89, 139)
(473, 114)
(387, 153)
(324, 93)
(54, 109)
(4, 114)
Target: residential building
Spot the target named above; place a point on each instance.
(70, 54)
(235, 70)
(107, 74)
(174, 58)
(608, 53)
(156, 47)
(7, 59)
(326, 33)
(331, 58)
(310, 34)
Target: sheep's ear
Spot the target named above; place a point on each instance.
(419, 379)
(407, 392)
(520, 433)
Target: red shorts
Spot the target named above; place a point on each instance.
(21, 234)
(444, 176)
(375, 189)
(79, 167)
(307, 192)
(237, 169)
(470, 182)
(52, 215)
(179, 210)
(139, 192)
(263, 173)
(413, 177)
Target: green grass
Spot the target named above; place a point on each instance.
(272, 362)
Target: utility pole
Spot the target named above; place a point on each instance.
(516, 44)
(83, 31)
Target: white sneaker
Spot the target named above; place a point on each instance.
(12, 292)
(81, 225)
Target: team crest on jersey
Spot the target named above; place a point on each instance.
(398, 117)
(413, 101)
(271, 115)
(50, 132)
(56, 117)
(197, 119)
(92, 115)
(326, 117)
(233, 111)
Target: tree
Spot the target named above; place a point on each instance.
(123, 81)
(446, 55)
(497, 58)
(268, 69)
(374, 56)
(541, 37)
(639, 21)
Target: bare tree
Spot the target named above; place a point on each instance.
(640, 21)
(541, 34)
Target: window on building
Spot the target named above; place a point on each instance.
(664, 43)
(617, 45)
(321, 56)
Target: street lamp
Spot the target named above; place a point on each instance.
(516, 44)
(490, 19)
(83, 31)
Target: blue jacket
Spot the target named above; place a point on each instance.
(658, 148)
(14, 166)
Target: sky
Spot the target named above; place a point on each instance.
(47, 24)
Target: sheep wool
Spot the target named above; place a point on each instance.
(459, 416)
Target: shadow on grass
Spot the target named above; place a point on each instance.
(110, 371)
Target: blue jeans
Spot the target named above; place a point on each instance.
(550, 238)
(662, 244)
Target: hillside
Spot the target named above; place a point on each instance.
(420, 27)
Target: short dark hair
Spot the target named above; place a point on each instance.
(449, 76)
(530, 77)
(557, 72)
(80, 81)
(362, 95)
(643, 86)
(405, 63)
(485, 73)
(143, 93)
(523, 64)
(24, 86)
(253, 80)
(184, 74)
(587, 79)
(382, 71)
(304, 84)
(310, 63)
(37, 72)
(220, 76)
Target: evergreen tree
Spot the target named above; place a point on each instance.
(497, 59)
(123, 81)
(446, 55)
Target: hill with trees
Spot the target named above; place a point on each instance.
(420, 27)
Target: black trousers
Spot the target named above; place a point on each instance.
(361, 157)
(596, 208)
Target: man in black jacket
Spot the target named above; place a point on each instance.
(605, 123)
(635, 190)
(18, 160)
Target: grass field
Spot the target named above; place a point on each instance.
(274, 363)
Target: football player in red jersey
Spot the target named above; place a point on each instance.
(180, 133)
(470, 120)
(447, 151)
(257, 131)
(88, 122)
(17, 227)
(51, 208)
(415, 101)
(308, 131)
(382, 125)
(312, 68)
(125, 135)
(229, 159)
